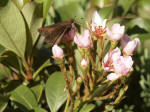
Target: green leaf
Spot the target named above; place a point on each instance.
(24, 98)
(39, 1)
(140, 22)
(33, 16)
(105, 12)
(126, 5)
(38, 109)
(109, 107)
(144, 8)
(70, 10)
(3, 3)
(12, 29)
(142, 36)
(4, 72)
(3, 102)
(98, 3)
(60, 3)
(46, 6)
(55, 93)
(37, 91)
(100, 89)
(87, 108)
(19, 3)
(78, 59)
(10, 59)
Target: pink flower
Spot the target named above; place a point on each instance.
(122, 65)
(98, 24)
(84, 63)
(97, 21)
(109, 58)
(69, 36)
(83, 40)
(116, 32)
(113, 76)
(129, 46)
(57, 52)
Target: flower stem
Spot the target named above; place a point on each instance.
(63, 69)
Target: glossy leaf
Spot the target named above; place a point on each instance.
(38, 109)
(140, 22)
(33, 16)
(98, 3)
(60, 3)
(126, 5)
(55, 93)
(10, 59)
(100, 89)
(37, 91)
(39, 1)
(3, 102)
(24, 98)
(87, 108)
(46, 6)
(105, 12)
(70, 10)
(19, 3)
(78, 59)
(12, 29)
(144, 8)
(4, 72)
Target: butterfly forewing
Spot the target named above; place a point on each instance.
(54, 33)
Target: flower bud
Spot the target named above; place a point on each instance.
(116, 32)
(122, 65)
(69, 36)
(57, 52)
(83, 40)
(112, 76)
(129, 46)
(79, 80)
(84, 63)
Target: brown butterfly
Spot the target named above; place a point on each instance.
(54, 33)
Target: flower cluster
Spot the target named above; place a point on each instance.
(113, 62)
(119, 65)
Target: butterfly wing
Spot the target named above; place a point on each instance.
(54, 33)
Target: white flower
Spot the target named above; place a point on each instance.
(98, 21)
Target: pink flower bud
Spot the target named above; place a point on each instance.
(113, 76)
(109, 58)
(123, 65)
(69, 36)
(84, 63)
(129, 46)
(116, 32)
(57, 52)
(83, 40)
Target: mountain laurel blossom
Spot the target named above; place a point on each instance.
(122, 65)
(109, 58)
(98, 24)
(116, 32)
(84, 40)
(129, 46)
